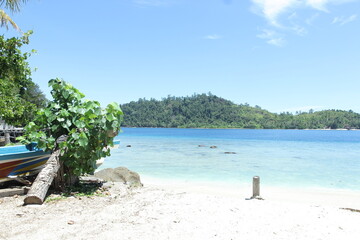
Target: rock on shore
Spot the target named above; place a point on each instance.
(120, 174)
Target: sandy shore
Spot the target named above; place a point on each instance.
(173, 210)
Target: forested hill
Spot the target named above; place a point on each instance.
(210, 111)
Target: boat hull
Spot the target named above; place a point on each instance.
(17, 161)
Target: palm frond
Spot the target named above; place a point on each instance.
(12, 5)
(5, 20)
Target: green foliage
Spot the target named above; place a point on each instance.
(210, 111)
(197, 111)
(90, 129)
(20, 97)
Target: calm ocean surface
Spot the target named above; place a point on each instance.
(300, 158)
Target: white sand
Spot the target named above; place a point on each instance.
(174, 210)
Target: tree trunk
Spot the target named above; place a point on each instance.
(38, 190)
(59, 181)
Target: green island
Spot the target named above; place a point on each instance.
(211, 111)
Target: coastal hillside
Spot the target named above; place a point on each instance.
(210, 111)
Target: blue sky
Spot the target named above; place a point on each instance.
(283, 55)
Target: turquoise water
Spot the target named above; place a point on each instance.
(301, 158)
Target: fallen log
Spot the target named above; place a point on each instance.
(38, 190)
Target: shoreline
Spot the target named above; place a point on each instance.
(342, 198)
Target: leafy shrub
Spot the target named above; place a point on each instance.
(89, 128)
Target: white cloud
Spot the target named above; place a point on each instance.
(271, 9)
(318, 4)
(272, 37)
(285, 16)
(344, 20)
(213, 37)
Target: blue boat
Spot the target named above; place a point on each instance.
(25, 160)
(21, 161)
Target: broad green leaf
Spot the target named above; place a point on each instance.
(54, 128)
(51, 118)
(92, 116)
(83, 139)
(64, 113)
(65, 94)
(75, 136)
(110, 117)
(81, 111)
(68, 122)
(80, 124)
(64, 125)
(97, 111)
(47, 112)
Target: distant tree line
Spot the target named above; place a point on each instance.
(210, 111)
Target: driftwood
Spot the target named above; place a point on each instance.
(41, 185)
(38, 190)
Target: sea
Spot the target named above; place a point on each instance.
(281, 158)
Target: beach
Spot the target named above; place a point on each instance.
(185, 210)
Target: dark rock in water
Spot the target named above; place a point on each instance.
(128, 145)
(213, 146)
(201, 146)
(230, 152)
(120, 174)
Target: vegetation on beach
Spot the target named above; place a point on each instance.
(210, 111)
(20, 97)
(89, 128)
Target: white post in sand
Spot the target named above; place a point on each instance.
(256, 187)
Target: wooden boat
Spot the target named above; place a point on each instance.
(20, 161)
